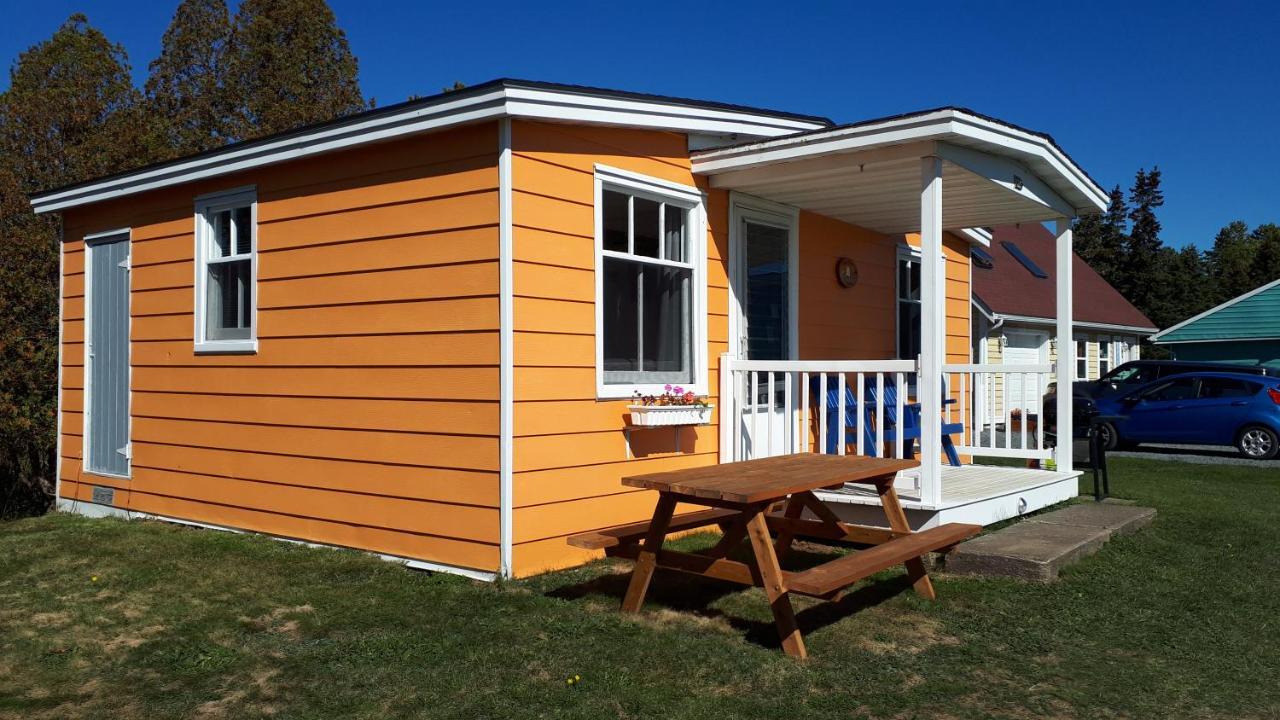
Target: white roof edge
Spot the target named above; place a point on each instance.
(1212, 310)
(933, 125)
(977, 236)
(516, 101)
(1032, 319)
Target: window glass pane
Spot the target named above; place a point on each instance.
(229, 301)
(243, 230)
(908, 330)
(645, 221)
(614, 219)
(767, 307)
(915, 280)
(904, 279)
(667, 333)
(674, 229)
(221, 226)
(1180, 389)
(620, 316)
(1224, 388)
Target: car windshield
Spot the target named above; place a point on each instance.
(1131, 375)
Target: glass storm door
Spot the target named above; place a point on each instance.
(767, 312)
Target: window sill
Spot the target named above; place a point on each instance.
(227, 347)
(628, 391)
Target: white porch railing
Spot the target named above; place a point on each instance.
(766, 405)
(998, 422)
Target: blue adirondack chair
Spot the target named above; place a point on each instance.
(909, 427)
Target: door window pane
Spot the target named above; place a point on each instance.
(1180, 389)
(768, 306)
(1226, 388)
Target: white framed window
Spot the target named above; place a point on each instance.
(1082, 358)
(650, 285)
(226, 272)
(1104, 355)
(908, 303)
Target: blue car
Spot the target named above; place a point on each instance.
(1202, 408)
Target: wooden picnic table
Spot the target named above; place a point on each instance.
(760, 499)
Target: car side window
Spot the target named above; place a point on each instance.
(1227, 388)
(1179, 389)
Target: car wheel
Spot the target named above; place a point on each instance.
(1109, 435)
(1257, 442)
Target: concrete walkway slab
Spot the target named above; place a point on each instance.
(1038, 548)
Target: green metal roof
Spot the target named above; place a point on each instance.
(1252, 316)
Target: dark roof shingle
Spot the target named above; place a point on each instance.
(1008, 288)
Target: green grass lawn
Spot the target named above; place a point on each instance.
(103, 618)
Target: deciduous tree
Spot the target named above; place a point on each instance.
(288, 65)
(185, 90)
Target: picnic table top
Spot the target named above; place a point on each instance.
(768, 479)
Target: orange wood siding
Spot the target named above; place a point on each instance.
(570, 451)
(838, 323)
(369, 416)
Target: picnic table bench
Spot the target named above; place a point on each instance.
(758, 500)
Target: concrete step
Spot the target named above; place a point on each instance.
(1039, 547)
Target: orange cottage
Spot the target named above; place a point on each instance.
(417, 331)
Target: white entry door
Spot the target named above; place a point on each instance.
(1023, 348)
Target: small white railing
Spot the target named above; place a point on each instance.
(997, 421)
(766, 405)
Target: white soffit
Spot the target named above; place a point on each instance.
(517, 99)
(879, 146)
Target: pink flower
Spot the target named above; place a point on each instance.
(667, 388)
(677, 389)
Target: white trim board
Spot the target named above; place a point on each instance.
(96, 510)
(949, 124)
(500, 99)
(1158, 338)
(1030, 320)
(506, 355)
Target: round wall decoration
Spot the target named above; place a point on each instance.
(847, 272)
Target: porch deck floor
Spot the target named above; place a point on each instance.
(960, 486)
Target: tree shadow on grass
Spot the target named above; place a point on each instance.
(707, 598)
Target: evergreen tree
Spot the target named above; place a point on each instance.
(1188, 294)
(70, 113)
(288, 65)
(1099, 240)
(1142, 250)
(1266, 265)
(1231, 262)
(185, 91)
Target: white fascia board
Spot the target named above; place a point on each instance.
(1200, 341)
(1007, 174)
(938, 125)
(1160, 335)
(509, 102)
(1031, 320)
(976, 236)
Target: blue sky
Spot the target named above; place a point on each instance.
(1119, 85)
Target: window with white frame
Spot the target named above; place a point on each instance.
(908, 305)
(226, 271)
(649, 309)
(1104, 356)
(1082, 358)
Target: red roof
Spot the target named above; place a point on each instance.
(1009, 288)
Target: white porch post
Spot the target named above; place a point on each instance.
(1066, 346)
(932, 328)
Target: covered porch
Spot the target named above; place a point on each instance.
(924, 176)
